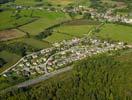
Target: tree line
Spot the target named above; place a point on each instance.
(48, 31)
(5, 1)
(17, 47)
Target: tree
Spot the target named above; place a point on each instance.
(5, 1)
(2, 62)
(87, 16)
(72, 15)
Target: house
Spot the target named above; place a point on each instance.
(34, 56)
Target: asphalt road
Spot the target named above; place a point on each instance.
(37, 80)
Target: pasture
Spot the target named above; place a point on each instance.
(7, 21)
(57, 37)
(53, 2)
(46, 20)
(60, 2)
(116, 32)
(36, 43)
(77, 30)
(7, 56)
(33, 42)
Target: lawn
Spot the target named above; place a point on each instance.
(116, 32)
(57, 37)
(10, 59)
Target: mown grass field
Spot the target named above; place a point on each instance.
(116, 32)
(10, 58)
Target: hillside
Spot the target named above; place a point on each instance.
(93, 78)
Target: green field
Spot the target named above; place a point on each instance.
(116, 32)
(36, 43)
(75, 30)
(7, 21)
(53, 2)
(57, 37)
(46, 20)
(10, 58)
(25, 2)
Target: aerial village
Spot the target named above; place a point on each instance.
(61, 55)
(108, 16)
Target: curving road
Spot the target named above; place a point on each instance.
(37, 80)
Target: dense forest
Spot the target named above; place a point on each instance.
(98, 78)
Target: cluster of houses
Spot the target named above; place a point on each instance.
(110, 17)
(60, 55)
(105, 16)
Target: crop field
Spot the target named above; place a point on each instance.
(57, 37)
(116, 32)
(10, 34)
(47, 19)
(8, 58)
